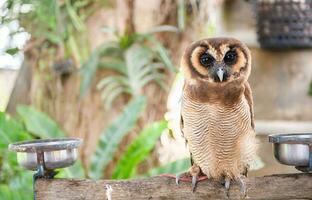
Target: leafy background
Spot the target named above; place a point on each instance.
(16, 183)
(112, 92)
(60, 49)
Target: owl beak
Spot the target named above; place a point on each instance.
(220, 73)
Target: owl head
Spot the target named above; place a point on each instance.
(216, 61)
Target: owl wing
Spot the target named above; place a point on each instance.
(248, 96)
(181, 127)
(181, 117)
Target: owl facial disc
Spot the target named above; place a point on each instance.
(216, 61)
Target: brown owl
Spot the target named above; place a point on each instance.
(217, 110)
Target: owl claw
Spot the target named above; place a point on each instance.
(185, 177)
(194, 182)
(242, 185)
(177, 179)
(194, 175)
(240, 181)
(194, 179)
(227, 183)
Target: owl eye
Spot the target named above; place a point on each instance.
(230, 57)
(206, 60)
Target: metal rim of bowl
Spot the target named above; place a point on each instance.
(45, 145)
(292, 138)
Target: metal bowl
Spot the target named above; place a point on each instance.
(292, 149)
(56, 153)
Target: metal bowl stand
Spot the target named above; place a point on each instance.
(41, 172)
(39, 147)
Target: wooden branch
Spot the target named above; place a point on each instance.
(287, 186)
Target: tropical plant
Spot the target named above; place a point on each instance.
(138, 150)
(39, 123)
(54, 24)
(31, 125)
(140, 70)
(16, 183)
(13, 182)
(137, 59)
(113, 135)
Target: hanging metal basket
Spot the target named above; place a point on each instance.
(284, 23)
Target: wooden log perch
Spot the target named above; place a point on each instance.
(286, 186)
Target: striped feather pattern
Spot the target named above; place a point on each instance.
(220, 138)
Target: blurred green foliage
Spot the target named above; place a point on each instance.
(181, 15)
(39, 123)
(15, 182)
(55, 24)
(138, 150)
(138, 59)
(112, 136)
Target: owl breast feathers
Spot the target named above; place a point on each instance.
(217, 107)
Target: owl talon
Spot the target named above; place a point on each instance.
(177, 179)
(194, 179)
(242, 185)
(194, 175)
(227, 183)
(194, 182)
(184, 177)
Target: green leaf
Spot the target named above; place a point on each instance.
(113, 135)
(89, 68)
(19, 186)
(138, 150)
(151, 77)
(52, 37)
(114, 94)
(75, 19)
(126, 41)
(5, 192)
(113, 63)
(112, 80)
(112, 86)
(11, 131)
(162, 52)
(171, 168)
(181, 15)
(39, 123)
(12, 51)
(15, 183)
(137, 57)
